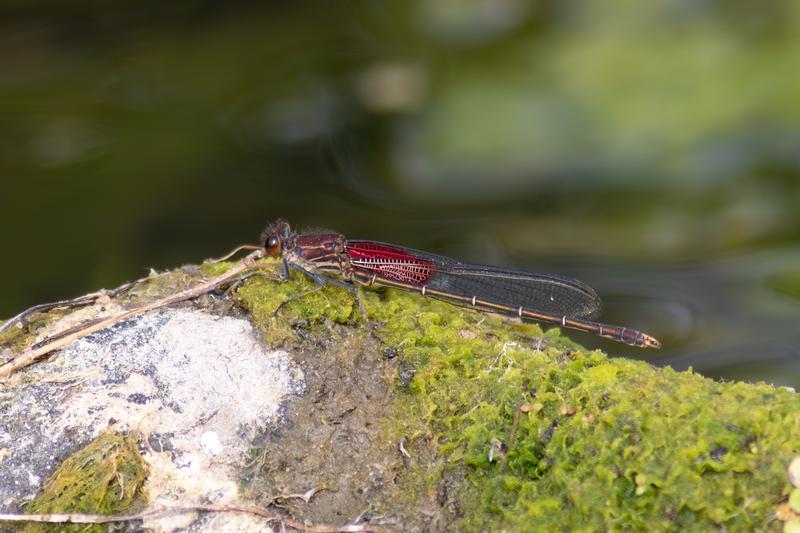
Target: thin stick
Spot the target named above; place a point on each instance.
(74, 302)
(26, 358)
(234, 252)
(83, 300)
(78, 518)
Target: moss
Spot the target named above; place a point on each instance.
(104, 477)
(161, 284)
(214, 269)
(794, 500)
(263, 296)
(12, 336)
(562, 437)
(19, 336)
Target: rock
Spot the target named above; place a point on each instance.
(506, 427)
(196, 387)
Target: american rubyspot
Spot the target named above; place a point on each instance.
(538, 297)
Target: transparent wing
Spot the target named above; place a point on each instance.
(543, 292)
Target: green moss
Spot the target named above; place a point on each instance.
(214, 269)
(263, 296)
(161, 284)
(566, 438)
(794, 500)
(559, 437)
(12, 336)
(104, 477)
(18, 336)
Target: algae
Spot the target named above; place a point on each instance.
(104, 477)
(509, 427)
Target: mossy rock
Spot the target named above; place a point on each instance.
(511, 428)
(504, 426)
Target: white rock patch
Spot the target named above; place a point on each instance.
(197, 387)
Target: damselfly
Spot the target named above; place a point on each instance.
(539, 297)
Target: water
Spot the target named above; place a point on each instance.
(648, 150)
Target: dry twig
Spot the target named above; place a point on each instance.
(305, 496)
(78, 518)
(26, 358)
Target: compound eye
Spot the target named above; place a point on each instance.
(273, 245)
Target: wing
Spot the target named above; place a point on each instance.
(542, 292)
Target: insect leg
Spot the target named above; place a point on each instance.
(320, 280)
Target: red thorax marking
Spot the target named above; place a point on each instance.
(388, 261)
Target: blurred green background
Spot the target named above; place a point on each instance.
(650, 149)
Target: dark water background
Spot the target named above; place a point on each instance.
(651, 149)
